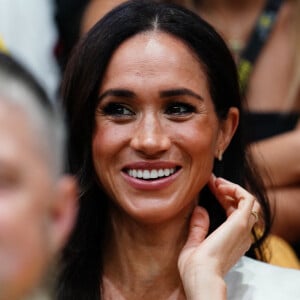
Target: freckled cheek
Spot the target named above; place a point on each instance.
(106, 144)
(107, 148)
(198, 144)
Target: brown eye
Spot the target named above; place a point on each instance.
(179, 109)
(117, 110)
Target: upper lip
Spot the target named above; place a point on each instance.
(146, 165)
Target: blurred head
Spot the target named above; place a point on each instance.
(37, 203)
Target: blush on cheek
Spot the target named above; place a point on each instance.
(109, 138)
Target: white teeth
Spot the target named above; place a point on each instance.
(140, 174)
(146, 174)
(166, 172)
(161, 173)
(153, 174)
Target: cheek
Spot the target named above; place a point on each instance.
(23, 213)
(22, 224)
(199, 149)
(24, 252)
(104, 149)
(108, 140)
(102, 145)
(199, 141)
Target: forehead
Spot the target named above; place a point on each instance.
(155, 55)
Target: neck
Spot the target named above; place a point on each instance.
(140, 260)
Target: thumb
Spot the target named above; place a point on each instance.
(199, 225)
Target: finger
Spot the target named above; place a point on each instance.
(237, 202)
(227, 202)
(234, 197)
(234, 191)
(199, 225)
(231, 196)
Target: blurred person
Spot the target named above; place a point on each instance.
(263, 37)
(37, 202)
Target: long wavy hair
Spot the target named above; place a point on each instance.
(82, 258)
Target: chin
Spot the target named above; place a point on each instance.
(156, 213)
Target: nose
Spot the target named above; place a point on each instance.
(150, 137)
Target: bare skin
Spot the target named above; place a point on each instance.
(148, 268)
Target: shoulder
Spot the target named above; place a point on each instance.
(251, 279)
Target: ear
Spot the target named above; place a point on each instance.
(63, 212)
(227, 130)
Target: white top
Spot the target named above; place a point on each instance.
(250, 279)
(28, 32)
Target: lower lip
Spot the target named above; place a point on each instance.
(156, 184)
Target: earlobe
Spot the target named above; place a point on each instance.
(64, 212)
(220, 155)
(227, 131)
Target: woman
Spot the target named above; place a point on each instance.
(153, 104)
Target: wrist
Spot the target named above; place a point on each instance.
(208, 287)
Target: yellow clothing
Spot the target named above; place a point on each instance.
(278, 252)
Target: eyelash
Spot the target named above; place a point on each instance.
(117, 110)
(179, 109)
(173, 109)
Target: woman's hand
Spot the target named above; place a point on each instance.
(203, 262)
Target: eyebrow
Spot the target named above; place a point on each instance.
(123, 93)
(180, 92)
(117, 93)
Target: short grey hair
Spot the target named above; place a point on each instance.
(19, 88)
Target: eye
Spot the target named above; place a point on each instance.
(179, 109)
(117, 110)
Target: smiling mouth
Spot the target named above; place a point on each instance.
(152, 174)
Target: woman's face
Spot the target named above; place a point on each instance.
(156, 131)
